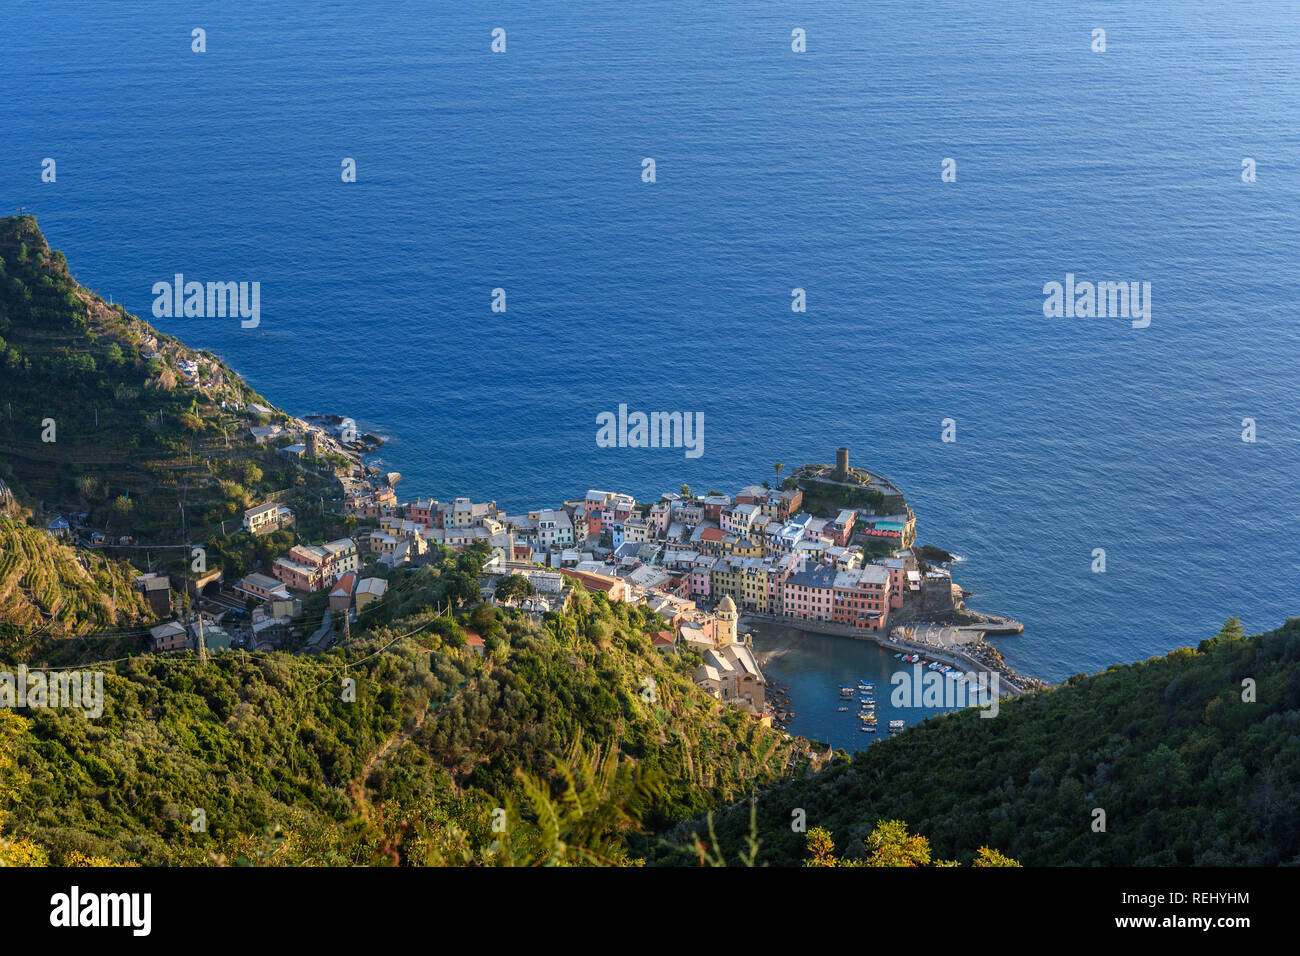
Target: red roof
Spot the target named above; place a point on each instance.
(659, 638)
(345, 584)
(472, 639)
(712, 534)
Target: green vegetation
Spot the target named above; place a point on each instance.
(820, 498)
(576, 727)
(889, 844)
(514, 587)
(51, 590)
(1186, 770)
(132, 435)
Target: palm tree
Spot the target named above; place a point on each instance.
(778, 468)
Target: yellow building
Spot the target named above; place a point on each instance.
(370, 589)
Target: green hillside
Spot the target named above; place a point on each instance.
(286, 771)
(1187, 772)
(49, 590)
(133, 435)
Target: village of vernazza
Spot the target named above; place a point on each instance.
(768, 437)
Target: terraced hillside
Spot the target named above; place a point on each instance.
(51, 590)
(102, 413)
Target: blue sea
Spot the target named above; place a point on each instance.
(774, 170)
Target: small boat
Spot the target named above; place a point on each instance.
(842, 710)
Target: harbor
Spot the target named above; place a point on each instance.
(959, 645)
(833, 691)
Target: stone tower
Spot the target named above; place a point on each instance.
(727, 617)
(841, 463)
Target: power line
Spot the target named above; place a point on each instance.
(168, 659)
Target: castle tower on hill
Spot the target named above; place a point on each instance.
(841, 463)
(727, 617)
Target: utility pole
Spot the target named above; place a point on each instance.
(198, 605)
(203, 648)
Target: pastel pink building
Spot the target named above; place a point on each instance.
(700, 575)
(896, 573)
(300, 577)
(810, 595)
(841, 529)
(861, 598)
(660, 512)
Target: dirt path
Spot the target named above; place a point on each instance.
(380, 756)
